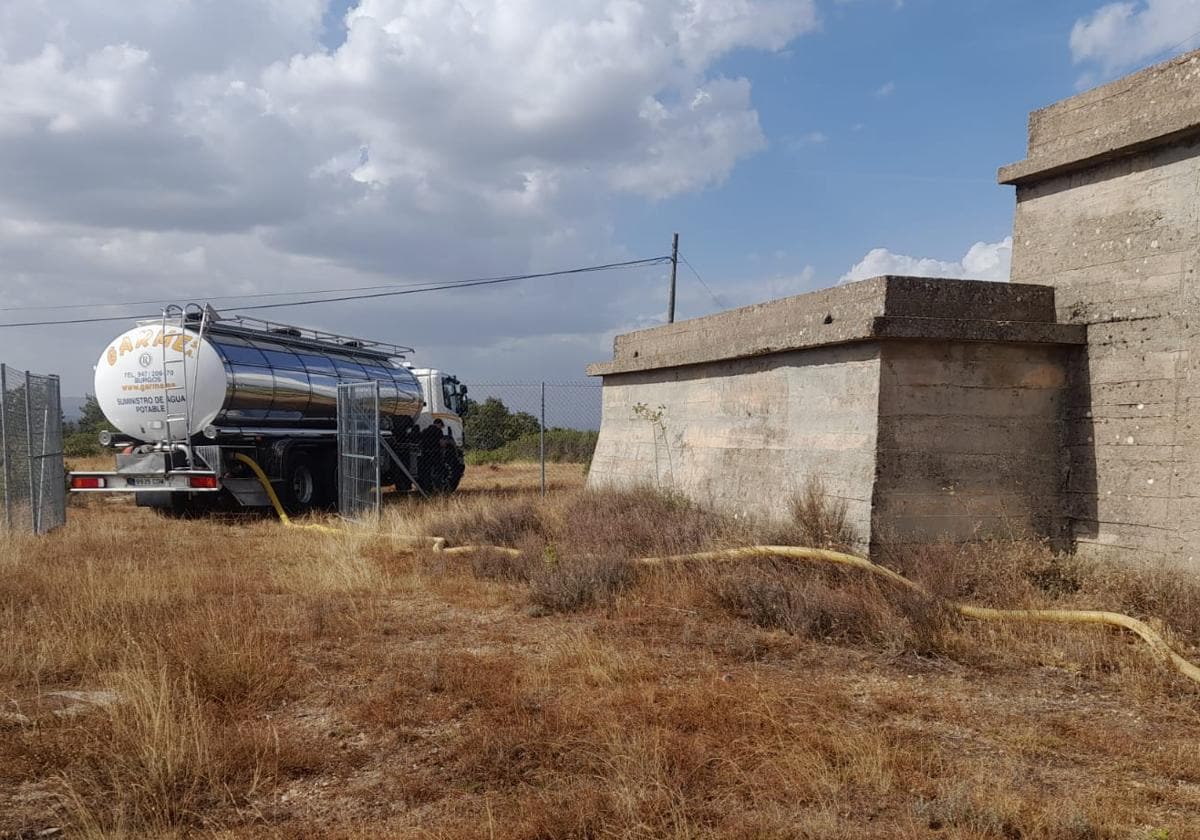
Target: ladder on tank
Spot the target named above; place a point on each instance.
(179, 317)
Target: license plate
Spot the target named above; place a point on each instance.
(146, 481)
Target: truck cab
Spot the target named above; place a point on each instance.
(445, 399)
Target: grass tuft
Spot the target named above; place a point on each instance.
(831, 606)
(822, 521)
(578, 582)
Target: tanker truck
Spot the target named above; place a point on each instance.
(193, 394)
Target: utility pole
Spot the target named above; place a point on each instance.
(542, 439)
(4, 453)
(674, 267)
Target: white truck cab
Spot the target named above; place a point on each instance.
(445, 399)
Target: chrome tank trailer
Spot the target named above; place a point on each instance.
(242, 377)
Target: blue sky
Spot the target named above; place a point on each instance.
(200, 149)
(914, 109)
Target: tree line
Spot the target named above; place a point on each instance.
(495, 434)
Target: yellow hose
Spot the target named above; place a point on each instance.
(1147, 634)
(793, 552)
(438, 544)
(1156, 642)
(435, 543)
(266, 485)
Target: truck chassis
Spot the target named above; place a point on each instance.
(302, 470)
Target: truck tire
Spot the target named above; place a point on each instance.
(299, 490)
(456, 467)
(445, 474)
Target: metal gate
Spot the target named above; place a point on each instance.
(359, 456)
(32, 477)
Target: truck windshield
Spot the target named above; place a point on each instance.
(451, 396)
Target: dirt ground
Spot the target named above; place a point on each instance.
(232, 677)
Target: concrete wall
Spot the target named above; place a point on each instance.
(1118, 240)
(923, 440)
(745, 435)
(970, 441)
(930, 407)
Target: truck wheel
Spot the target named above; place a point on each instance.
(455, 468)
(445, 475)
(299, 489)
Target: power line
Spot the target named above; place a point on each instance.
(247, 296)
(457, 284)
(711, 294)
(1182, 43)
(466, 284)
(256, 295)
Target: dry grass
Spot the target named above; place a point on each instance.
(819, 521)
(272, 682)
(833, 605)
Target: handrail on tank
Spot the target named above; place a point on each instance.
(246, 325)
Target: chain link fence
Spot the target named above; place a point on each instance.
(359, 456)
(518, 436)
(549, 426)
(32, 476)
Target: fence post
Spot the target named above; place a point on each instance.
(542, 439)
(4, 446)
(42, 465)
(33, 511)
(377, 434)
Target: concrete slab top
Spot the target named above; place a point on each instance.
(880, 309)
(1155, 107)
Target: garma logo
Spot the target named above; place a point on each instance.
(145, 360)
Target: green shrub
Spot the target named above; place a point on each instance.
(489, 425)
(562, 446)
(82, 445)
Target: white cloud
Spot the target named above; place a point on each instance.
(710, 28)
(1118, 36)
(104, 86)
(181, 150)
(886, 89)
(983, 261)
